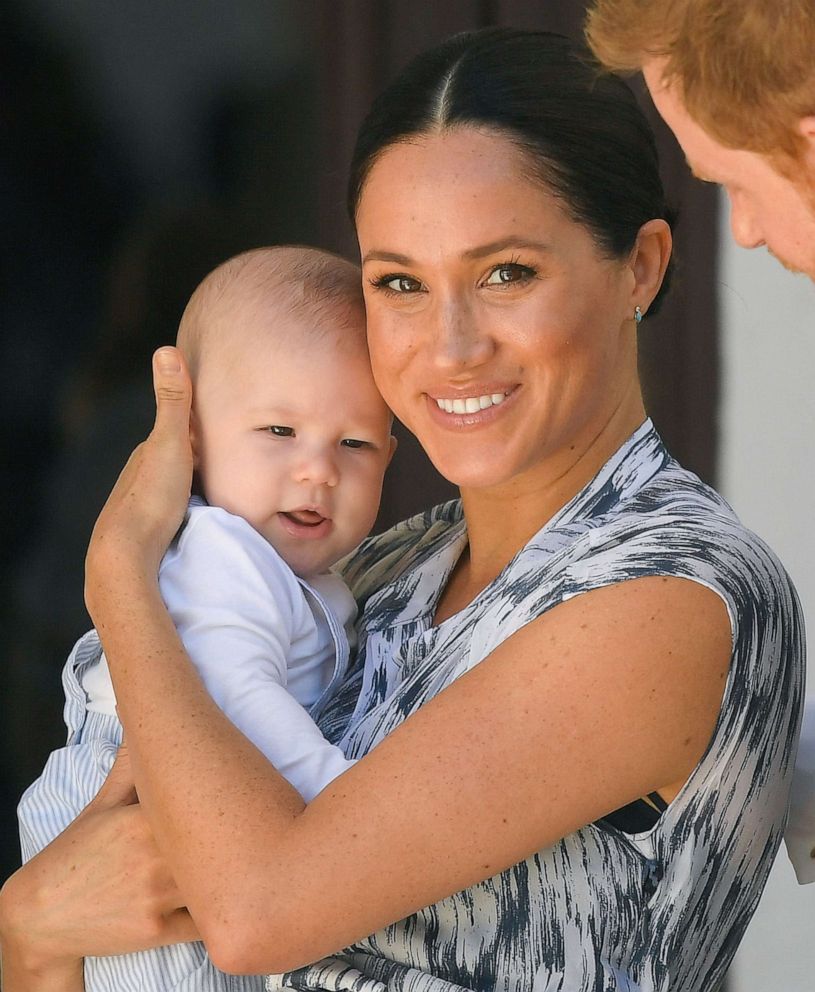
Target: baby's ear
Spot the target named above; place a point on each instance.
(195, 439)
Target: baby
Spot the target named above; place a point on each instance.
(291, 440)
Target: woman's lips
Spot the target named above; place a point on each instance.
(308, 525)
(472, 410)
(470, 404)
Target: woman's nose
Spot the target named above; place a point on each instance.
(459, 339)
(318, 467)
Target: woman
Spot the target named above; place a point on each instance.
(590, 626)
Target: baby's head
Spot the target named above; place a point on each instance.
(288, 428)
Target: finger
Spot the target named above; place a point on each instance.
(118, 789)
(173, 390)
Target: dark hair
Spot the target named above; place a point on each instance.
(581, 130)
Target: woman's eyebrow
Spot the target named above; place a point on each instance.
(387, 256)
(497, 246)
(481, 251)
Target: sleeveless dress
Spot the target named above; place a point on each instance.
(601, 910)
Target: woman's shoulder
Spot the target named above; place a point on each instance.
(677, 526)
(682, 525)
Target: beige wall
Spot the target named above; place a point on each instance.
(767, 472)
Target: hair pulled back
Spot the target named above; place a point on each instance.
(581, 132)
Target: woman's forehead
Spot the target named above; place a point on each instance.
(466, 185)
(465, 151)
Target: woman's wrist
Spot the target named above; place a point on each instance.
(116, 572)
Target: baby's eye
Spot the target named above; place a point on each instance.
(352, 442)
(279, 430)
(509, 272)
(397, 283)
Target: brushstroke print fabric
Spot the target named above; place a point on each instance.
(600, 911)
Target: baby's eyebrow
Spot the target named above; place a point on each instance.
(274, 412)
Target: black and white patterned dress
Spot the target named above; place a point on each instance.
(599, 910)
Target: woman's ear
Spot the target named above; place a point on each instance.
(649, 261)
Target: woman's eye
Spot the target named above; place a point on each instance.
(509, 272)
(398, 284)
(279, 431)
(352, 442)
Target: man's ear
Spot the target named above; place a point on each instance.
(807, 128)
(392, 450)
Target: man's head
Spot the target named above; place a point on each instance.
(735, 81)
(288, 428)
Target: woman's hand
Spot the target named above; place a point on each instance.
(99, 888)
(148, 502)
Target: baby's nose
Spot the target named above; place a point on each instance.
(318, 467)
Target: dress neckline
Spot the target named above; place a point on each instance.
(623, 475)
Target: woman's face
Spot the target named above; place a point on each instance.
(498, 333)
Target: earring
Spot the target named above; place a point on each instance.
(637, 315)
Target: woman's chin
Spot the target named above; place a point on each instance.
(478, 471)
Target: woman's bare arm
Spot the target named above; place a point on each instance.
(605, 698)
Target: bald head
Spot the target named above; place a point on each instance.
(246, 299)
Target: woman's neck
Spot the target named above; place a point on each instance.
(502, 519)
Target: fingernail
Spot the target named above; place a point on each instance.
(167, 360)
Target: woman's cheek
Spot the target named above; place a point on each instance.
(391, 348)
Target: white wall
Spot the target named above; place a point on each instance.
(767, 472)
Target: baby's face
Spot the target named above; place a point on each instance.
(292, 435)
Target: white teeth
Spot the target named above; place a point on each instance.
(471, 404)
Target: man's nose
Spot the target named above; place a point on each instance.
(746, 231)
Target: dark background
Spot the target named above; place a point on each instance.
(145, 141)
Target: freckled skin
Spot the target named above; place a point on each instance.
(543, 318)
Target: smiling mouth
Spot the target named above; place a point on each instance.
(470, 404)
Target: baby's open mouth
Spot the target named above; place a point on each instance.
(306, 518)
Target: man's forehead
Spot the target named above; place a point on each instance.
(701, 149)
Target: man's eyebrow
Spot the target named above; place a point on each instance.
(481, 251)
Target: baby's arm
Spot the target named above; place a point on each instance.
(237, 608)
(73, 774)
